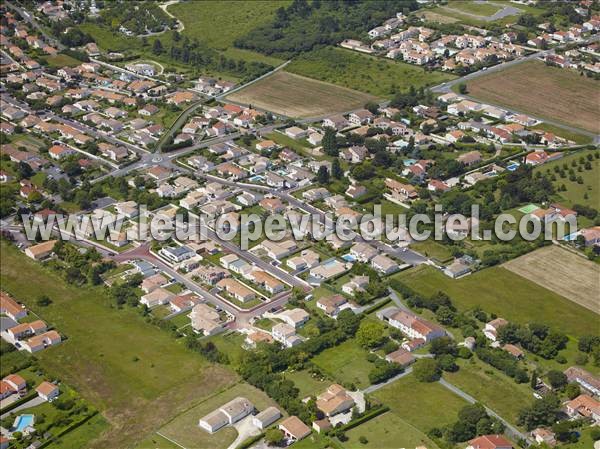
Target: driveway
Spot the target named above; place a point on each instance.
(245, 429)
(32, 403)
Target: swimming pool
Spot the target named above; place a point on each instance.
(23, 421)
(256, 178)
(513, 166)
(349, 258)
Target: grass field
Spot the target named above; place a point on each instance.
(422, 405)
(575, 193)
(296, 96)
(500, 291)
(112, 357)
(184, 428)
(471, 13)
(387, 431)
(548, 92)
(433, 249)
(61, 60)
(564, 133)
(490, 386)
(220, 23)
(307, 384)
(373, 75)
(574, 277)
(82, 435)
(347, 363)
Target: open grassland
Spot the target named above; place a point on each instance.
(306, 383)
(387, 431)
(346, 363)
(572, 276)
(296, 96)
(564, 133)
(61, 60)
(370, 74)
(219, 23)
(136, 374)
(548, 92)
(491, 387)
(184, 428)
(500, 291)
(473, 13)
(575, 193)
(431, 248)
(422, 405)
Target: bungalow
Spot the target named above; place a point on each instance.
(26, 330)
(544, 436)
(435, 185)
(332, 305)
(43, 341)
(384, 264)
(229, 413)
(591, 236)
(491, 328)
(355, 191)
(209, 275)
(490, 442)
(11, 308)
(363, 252)
(272, 205)
(205, 319)
(294, 317)
(355, 154)
(268, 282)
(236, 289)
(355, 285)
(294, 429)
(316, 194)
(295, 132)
(584, 406)
(400, 356)
(59, 152)
(540, 157)
(41, 250)
(148, 110)
(153, 282)
(255, 337)
(334, 400)
(470, 158)
(400, 191)
(176, 254)
(47, 391)
(156, 297)
(266, 145)
(306, 259)
(583, 378)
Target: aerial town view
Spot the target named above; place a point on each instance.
(345, 224)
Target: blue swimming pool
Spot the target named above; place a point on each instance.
(349, 258)
(23, 421)
(512, 167)
(256, 178)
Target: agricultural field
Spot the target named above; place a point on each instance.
(478, 13)
(548, 92)
(373, 75)
(62, 60)
(296, 96)
(572, 276)
(576, 193)
(408, 398)
(500, 291)
(387, 431)
(184, 429)
(112, 357)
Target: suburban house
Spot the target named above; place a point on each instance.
(41, 250)
(42, 341)
(337, 122)
(490, 442)
(266, 281)
(355, 285)
(400, 356)
(236, 289)
(255, 337)
(410, 324)
(306, 259)
(156, 297)
(11, 308)
(286, 335)
(294, 317)
(361, 117)
(491, 329)
(399, 192)
(151, 283)
(26, 330)
(294, 429)
(335, 400)
(12, 384)
(544, 436)
(332, 305)
(470, 158)
(227, 414)
(205, 319)
(176, 254)
(47, 391)
(384, 264)
(584, 406)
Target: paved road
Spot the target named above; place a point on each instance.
(31, 403)
(376, 387)
(510, 429)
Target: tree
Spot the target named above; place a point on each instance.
(43, 301)
(372, 107)
(336, 169)
(323, 175)
(557, 379)
(370, 334)
(542, 412)
(274, 437)
(157, 47)
(329, 142)
(572, 390)
(462, 88)
(427, 370)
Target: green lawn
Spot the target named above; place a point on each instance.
(184, 428)
(112, 357)
(423, 405)
(306, 383)
(431, 248)
(490, 386)
(499, 291)
(82, 435)
(220, 23)
(564, 133)
(370, 74)
(575, 193)
(61, 60)
(231, 344)
(481, 9)
(387, 431)
(347, 363)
